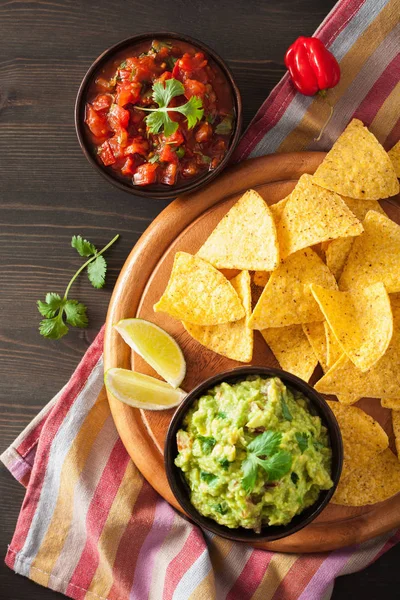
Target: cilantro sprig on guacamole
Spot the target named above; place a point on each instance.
(253, 454)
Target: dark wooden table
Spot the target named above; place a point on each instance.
(49, 192)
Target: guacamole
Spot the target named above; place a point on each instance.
(253, 454)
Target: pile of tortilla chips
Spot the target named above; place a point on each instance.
(327, 259)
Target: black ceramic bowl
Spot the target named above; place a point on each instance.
(269, 533)
(153, 191)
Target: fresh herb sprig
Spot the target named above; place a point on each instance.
(264, 452)
(159, 119)
(58, 311)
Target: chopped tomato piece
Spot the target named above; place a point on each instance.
(188, 64)
(128, 93)
(168, 155)
(169, 174)
(128, 167)
(145, 174)
(102, 102)
(96, 123)
(137, 145)
(203, 133)
(125, 74)
(106, 154)
(118, 117)
(122, 137)
(162, 53)
(117, 149)
(194, 88)
(142, 68)
(166, 75)
(176, 138)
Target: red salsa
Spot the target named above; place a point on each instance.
(161, 113)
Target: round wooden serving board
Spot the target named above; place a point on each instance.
(184, 225)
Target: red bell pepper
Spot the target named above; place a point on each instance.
(311, 66)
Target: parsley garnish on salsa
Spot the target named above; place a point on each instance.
(160, 113)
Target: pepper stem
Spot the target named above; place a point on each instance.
(326, 122)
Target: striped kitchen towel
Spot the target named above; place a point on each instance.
(90, 526)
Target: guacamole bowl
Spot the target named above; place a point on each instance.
(253, 454)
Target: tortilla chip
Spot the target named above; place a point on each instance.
(358, 166)
(245, 238)
(198, 293)
(374, 256)
(260, 278)
(313, 215)
(338, 250)
(233, 340)
(361, 320)
(394, 155)
(287, 298)
(318, 249)
(375, 482)
(292, 350)
(396, 429)
(362, 436)
(315, 333)
(393, 403)
(336, 255)
(381, 381)
(277, 209)
(361, 207)
(321, 338)
(333, 350)
(333, 353)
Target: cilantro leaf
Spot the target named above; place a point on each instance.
(285, 410)
(180, 152)
(302, 440)
(318, 445)
(249, 468)
(221, 508)
(159, 118)
(266, 443)
(277, 465)
(56, 308)
(225, 127)
(83, 247)
(97, 272)
(192, 110)
(75, 313)
(224, 462)
(50, 307)
(54, 328)
(207, 477)
(163, 94)
(170, 60)
(207, 443)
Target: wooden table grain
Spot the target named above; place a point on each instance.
(49, 192)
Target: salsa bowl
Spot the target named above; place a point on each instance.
(268, 533)
(118, 111)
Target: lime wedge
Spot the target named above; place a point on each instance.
(141, 391)
(156, 346)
